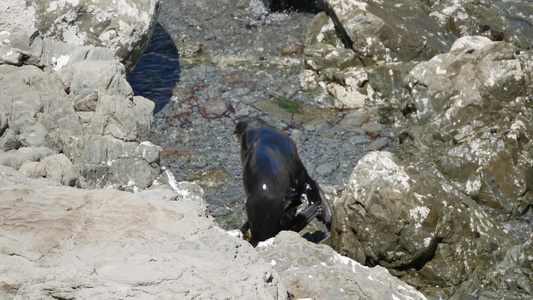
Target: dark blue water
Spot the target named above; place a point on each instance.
(158, 71)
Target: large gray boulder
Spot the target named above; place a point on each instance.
(73, 100)
(311, 271)
(124, 27)
(427, 232)
(65, 243)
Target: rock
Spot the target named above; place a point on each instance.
(311, 271)
(378, 144)
(475, 124)
(16, 158)
(67, 243)
(291, 111)
(372, 127)
(10, 176)
(382, 42)
(325, 169)
(496, 20)
(352, 121)
(423, 229)
(111, 162)
(95, 86)
(9, 141)
(54, 167)
(75, 100)
(394, 32)
(212, 177)
(36, 136)
(124, 28)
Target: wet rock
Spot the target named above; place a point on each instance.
(66, 243)
(125, 28)
(352, 121)
(75, 100)
(372, 127)
(378, 144)
(311, 271)
(325, 169)
(212, 177)
(430, 234)
(215, 108)
(308, 115)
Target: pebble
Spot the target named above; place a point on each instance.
(322, 127)
(378, 144)
(310, 128)
(372, 127)
(325, 169)
(296, 134)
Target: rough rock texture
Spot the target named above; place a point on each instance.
(398, 31)
(311, 271)
(55, 167)
(73, 100)
(457, 92)
(122, 26)
(64, 243)
(426, 231)
(362, 51)
(474, 121)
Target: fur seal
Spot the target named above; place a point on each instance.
(276, 183)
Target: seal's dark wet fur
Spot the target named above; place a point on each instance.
(276, 183)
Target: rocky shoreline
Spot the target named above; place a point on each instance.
(441, 112)
(72, 134)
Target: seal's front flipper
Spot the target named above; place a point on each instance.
(304, 217)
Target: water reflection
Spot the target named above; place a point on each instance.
(158, 70)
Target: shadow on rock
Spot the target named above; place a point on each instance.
(156, 74)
